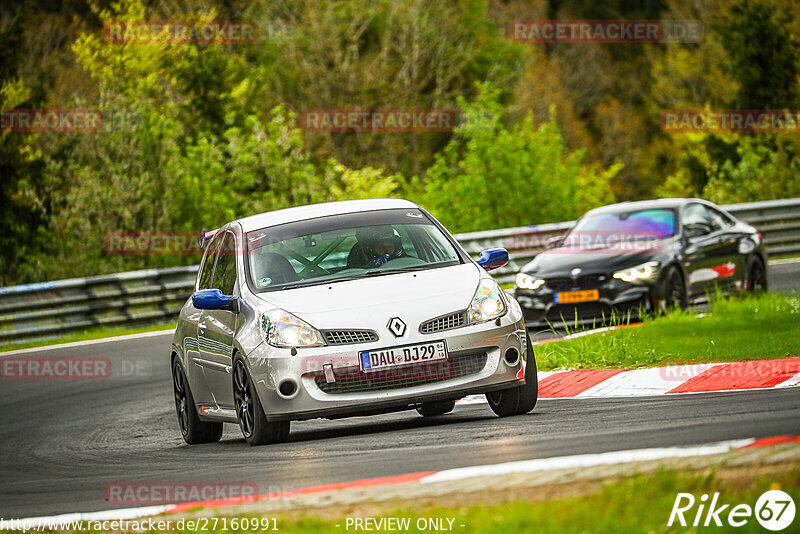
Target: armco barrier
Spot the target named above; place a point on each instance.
(51, 309)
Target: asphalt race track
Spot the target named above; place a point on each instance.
(784, 277)
(63, 441)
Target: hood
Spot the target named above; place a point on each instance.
(371, 302)
(560, 261)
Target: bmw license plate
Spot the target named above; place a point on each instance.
(375, 360)
(570, 297)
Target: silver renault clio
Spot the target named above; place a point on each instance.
(348, 308)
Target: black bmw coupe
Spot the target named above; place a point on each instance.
(635, 257)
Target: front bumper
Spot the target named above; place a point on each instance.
(618, 300)
(465, 372)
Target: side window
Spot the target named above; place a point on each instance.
(723, 219)
(692, 214)
(207, 269)
(700, 215)
(715, 219)
(225, 273)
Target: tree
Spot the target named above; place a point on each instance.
(762, 55)
(490, 176)
(23, 204)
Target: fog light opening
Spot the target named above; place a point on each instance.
(511, 356)
(287, 389)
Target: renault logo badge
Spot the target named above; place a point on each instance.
(397, 327)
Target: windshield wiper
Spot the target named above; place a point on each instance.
(380, 272)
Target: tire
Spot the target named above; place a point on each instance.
(674, 291)
(252, 420)
(757, 277)
(430, 409)
(194, 430)
(518, 400)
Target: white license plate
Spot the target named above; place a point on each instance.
(375, 360)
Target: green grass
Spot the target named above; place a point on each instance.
(90, 333)
(640, 504)
(747, 328)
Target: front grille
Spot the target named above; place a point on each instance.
(349, 337)
(559, 284)
(592, 281)
(589, 281)
(446, 322)
(354, 380)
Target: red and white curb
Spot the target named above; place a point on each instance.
(701, 378)
(428, 477)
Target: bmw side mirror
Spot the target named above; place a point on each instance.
(696, 230)
(553, 242)
(213, 299)
(493, 258)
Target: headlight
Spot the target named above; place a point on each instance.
(282, 329)
(487, 304)
(526, 281)
(645, 271)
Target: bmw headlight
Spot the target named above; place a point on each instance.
(526, 281)
(646, 271)
(487, 304)
(282, 329)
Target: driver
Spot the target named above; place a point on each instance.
(375, 246)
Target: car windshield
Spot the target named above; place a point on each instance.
(613, 228)
(346, 247)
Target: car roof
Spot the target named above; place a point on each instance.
(662, 203)
(313, 211)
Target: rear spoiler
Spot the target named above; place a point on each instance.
(205, 237)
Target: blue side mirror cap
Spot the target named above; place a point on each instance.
(213, 299)
(493, 258)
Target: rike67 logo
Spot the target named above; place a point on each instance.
(774, 510)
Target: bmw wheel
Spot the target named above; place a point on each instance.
(252, 420)
(757, 277)
(674, 291)
(521, 399)
(429, 409)
(192, 428)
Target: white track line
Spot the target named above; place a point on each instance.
(784, 261)
(125, 337)
(585, 460)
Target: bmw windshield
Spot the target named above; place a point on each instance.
(345, 247)
(621, 229)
